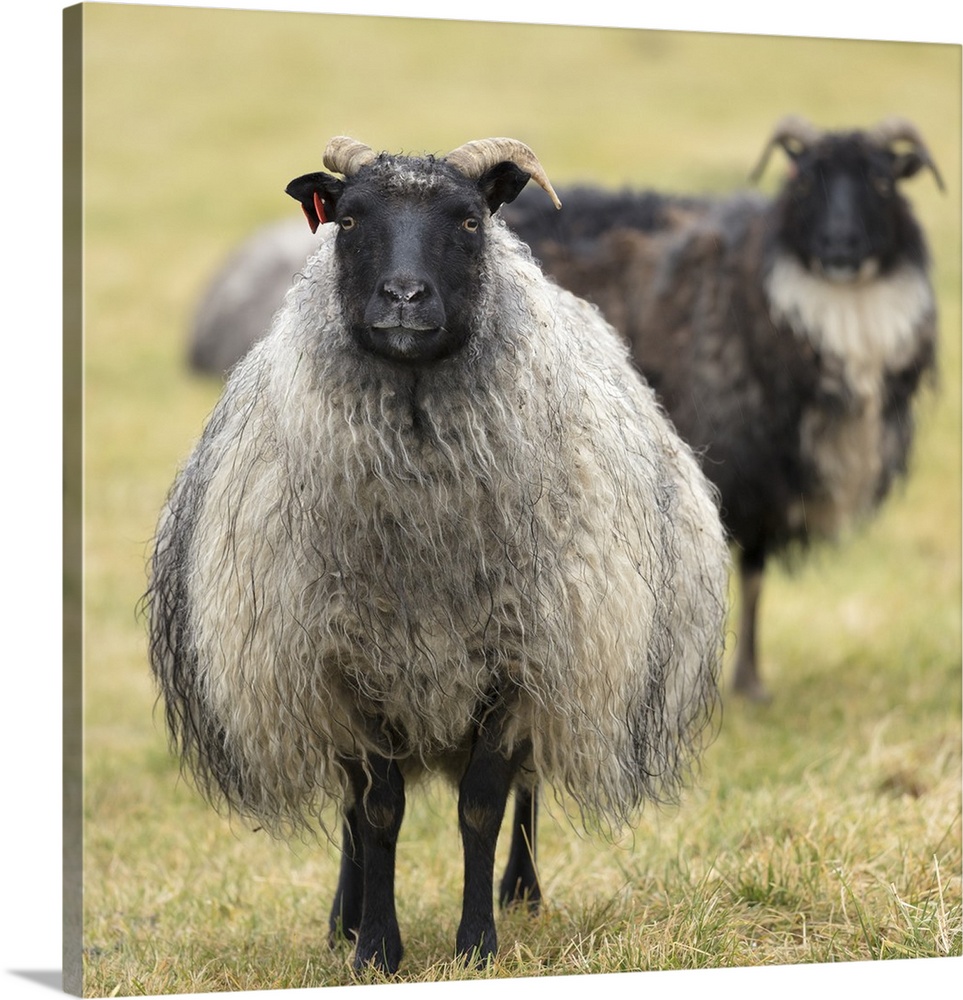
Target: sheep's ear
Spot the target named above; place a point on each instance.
(318, 194)
(502, 184)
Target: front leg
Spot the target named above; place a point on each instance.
(379, 804)
(483, 793)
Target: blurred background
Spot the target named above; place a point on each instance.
(194, 120)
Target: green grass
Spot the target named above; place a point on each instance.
(824, 828)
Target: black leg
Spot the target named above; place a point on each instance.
(520, 881)
(346, 912)
(483, 793)
(746, 680)
(379, 809)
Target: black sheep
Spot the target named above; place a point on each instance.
(786, 336)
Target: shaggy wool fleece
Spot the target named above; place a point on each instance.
(361, 558)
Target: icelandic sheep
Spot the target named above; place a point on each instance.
(435, 524)
(786, 337)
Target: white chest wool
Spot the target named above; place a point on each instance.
(863, 329)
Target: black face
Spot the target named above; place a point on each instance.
(410, 242)
(409, 267)
(842, 210)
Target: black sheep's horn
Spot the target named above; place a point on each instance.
(794, 134)
(891, 131)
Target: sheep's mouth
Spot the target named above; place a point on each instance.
(845, 272)
(411, 344)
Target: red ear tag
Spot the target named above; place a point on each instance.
(319, 208)
(312, 222)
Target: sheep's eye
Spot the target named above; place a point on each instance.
(347, 223)
(883, 185)
(470, 225)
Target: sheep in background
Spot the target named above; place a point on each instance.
(786, 336)
(236, 307)
(435, 524)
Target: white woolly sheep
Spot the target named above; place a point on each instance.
(436, 524)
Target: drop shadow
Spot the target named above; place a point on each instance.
(52, 978)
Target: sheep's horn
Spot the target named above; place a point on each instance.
(475, 157)
(794, 134)
(347, 156)
(890, 131)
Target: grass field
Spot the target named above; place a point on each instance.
(825, 827)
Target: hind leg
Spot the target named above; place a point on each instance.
(746, 679)
(345, 916)
(520, 882)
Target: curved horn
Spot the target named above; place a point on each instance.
(474, 158)
(347, 156)
(892, 130)
(794, 134)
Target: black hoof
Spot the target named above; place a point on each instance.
(520, 890)
(477, 949)
(385, 956)
(339, 934)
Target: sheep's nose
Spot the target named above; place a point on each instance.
(405, 289)
(839, 241)
(841, 247)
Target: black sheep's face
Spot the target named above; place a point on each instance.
(410, 268)
(842, 209)
(410, 244)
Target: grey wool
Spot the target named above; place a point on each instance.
(349, 562)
